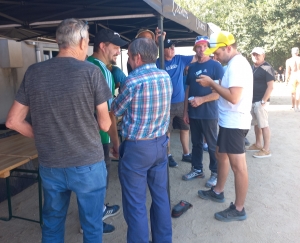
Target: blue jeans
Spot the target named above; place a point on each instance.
(145, 162)
(89, 184)
(209, 129)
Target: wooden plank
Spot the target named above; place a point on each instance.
(8, 163)
(18, 145)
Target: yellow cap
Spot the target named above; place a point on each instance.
(219, 39)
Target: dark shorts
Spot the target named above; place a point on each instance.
(179, 124)
(231, 140)
(176, 117)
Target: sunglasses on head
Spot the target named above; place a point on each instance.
(85, 23)
(209, 44)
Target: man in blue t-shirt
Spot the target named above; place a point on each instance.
(201, 111)
(174, 65)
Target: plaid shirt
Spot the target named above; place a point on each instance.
(144, 101)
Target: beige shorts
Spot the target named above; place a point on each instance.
(177, 111)
(259, 114)
(294, 85)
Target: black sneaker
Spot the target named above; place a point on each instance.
(111, 211)
(231, 214)
(210, 194)
(172, 162)
(108, 228)
(187, 158)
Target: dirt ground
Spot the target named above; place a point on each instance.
(272, 202)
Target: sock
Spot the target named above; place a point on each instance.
(169, 155)
(218, 193)
(205, 145)
(104, 208)
(186, 154)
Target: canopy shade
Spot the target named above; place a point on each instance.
(38, 19)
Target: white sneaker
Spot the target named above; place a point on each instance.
(212, 181)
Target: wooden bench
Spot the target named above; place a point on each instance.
(15, 151)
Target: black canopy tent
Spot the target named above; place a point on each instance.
(38, 19)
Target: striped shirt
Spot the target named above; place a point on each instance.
(105, 139)
(144, 101)
(107, 75)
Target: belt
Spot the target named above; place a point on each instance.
(139, 139)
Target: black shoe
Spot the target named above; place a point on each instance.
(108, 228)
(172, 162)
(231, 214)
(247, 143)
(187, 158)
(180, 208)
(210, 194)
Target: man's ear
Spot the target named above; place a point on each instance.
(83, 44)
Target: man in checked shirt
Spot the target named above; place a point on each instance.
(144, 101)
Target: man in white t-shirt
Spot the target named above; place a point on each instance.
(235, 90)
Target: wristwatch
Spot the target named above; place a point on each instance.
(262, 102)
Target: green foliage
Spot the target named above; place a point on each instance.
(271, 24)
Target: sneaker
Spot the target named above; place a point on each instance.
(253, 147)
(212, 181)
(111, 211)
(187, 158)
(205, 147)
(107, 228)
(262, 154)
(210, 194)
(172, 162)
(247, 143)
(193, 174)
(231, 214)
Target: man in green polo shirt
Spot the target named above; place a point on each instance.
(106, 49)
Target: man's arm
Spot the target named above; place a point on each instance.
(288, 71)
(268, 90)
(232, 94)
(185, 109)
(199, 100)
(16, 119)
(103, 117)
(113, 133)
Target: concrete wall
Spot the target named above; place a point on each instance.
(11, 78)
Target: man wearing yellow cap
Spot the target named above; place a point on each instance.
(235, 90)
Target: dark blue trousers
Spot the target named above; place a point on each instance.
(207, 128)
(142, 163)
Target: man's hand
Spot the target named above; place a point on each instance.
(114, 152)
(197, 101)
(204, 81)
(186, 117)
(158, 34)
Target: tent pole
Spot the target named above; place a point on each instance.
(160, 19)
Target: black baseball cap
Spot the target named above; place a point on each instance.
(168, 43)
(106, 35)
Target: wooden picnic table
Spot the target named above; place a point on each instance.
(18, 145)
(15, 151)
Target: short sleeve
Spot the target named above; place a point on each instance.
(186, 59)
(102, 93)
(22, 96)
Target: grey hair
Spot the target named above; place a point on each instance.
(70, 31)
(146, 48)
